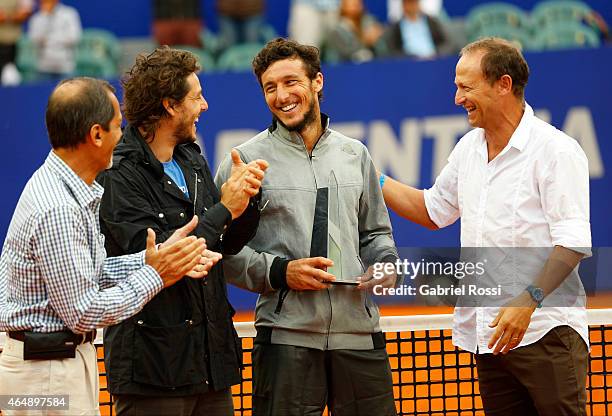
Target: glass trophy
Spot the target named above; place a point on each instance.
(336, 247)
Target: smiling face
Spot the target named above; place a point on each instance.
(291, 96)
(189, 110)
(474, 92)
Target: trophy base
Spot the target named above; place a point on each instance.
(344, 282)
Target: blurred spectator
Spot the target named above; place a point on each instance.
(416, 34)
(355, 35)
(240, 21)
(430, 7)
(177, 22)
(310, 21)
(55, 30)
(12, 14)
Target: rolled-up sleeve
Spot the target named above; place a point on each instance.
(565, 200)
(441, 200)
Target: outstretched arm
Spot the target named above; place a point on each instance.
(407, 202)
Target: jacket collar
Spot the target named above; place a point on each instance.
(295, 138)
(134, 147)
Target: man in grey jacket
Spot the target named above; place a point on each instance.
(318, 342)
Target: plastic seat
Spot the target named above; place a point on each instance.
(521, 36)
(93, 65)
(495, 15)
(26, 58)
(206, 60)
(239, 57)
(267, 33)
(210, 42)
(101, 43)
(567, 36)
(217, 45)
(555, 12)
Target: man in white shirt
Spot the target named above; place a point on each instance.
(55, 31)
(310, 21)
(520, 186)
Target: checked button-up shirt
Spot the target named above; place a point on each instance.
(54, 273)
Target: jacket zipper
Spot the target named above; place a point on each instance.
(365, 298)
(281, 298)
(195, 191)
(367, 308)
(331, 315)
(309, 156)
(331, 309)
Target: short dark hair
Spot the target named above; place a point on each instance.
(161, 74)
(280, 49)
(71, 114)
(501, 57)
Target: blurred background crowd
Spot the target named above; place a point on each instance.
(45, 40)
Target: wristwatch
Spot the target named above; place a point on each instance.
(537, 294)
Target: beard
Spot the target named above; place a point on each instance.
(308, 118)
(184, 133)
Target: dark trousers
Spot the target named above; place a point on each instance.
(206, 404)
(8, 53)
(289, 380)
(547, 378)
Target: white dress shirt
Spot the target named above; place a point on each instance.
(56, 36)
(535, 193)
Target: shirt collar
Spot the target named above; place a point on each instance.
(83, 193)
(291, 136)
(519, 138)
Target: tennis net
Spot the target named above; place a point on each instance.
(430, 375)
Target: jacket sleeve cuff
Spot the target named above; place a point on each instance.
(219, 216)
(278, 273)
(389, 258)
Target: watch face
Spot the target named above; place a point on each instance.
(538, 294)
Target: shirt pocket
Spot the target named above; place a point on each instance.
(174, 217)
(167, 364)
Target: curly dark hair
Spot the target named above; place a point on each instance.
(280, 49)
(161, 74)
(501, 57)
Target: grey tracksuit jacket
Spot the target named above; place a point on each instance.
(297, 189)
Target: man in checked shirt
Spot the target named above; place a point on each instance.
(56, 283)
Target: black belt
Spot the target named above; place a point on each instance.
(77, 338)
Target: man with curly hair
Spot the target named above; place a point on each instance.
(318, 342)
(180, 355)
(57, 284)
